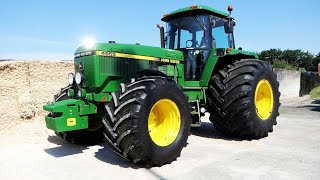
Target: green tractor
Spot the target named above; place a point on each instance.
(143, 100)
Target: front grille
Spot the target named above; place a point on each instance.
(113, 66)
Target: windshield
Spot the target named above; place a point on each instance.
(187, 32)
(219, 37)
(197, 32)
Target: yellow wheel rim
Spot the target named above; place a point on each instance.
(264, 99)
(164, 122)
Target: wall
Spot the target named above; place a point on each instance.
(289, 83)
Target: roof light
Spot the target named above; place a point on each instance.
(230, 8)
(165, 15)
(193, 7)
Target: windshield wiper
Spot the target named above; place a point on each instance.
(201, 23)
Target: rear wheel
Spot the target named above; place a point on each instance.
(90, 136)
(243, 99)
(148, 121)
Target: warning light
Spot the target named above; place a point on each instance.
(193, 7)
(230, 8)
(165, 15)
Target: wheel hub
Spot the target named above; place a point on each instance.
(264, 99)
(164, 122)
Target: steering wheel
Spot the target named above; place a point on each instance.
(191, 43)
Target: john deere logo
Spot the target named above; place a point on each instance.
(71, 121)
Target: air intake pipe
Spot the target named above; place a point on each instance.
(161, 35)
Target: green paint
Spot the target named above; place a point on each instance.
(169, 70)
(70, 109)
(247, 53)
(134, 49)
(194, 94)
(208, 68)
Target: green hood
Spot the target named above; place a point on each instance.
(135, 50)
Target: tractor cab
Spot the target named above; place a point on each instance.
(195, 31)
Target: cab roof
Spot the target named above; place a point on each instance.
(191, 10)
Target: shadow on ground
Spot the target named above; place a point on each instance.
(105, 153)
(207, 130)
(313, 106)
(64, 149)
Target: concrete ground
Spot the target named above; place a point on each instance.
(292, 151)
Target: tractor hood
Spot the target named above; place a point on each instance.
(132, 49)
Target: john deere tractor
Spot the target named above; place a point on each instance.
(143, 100)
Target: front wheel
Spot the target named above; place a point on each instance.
(148, 121)
(243, 99)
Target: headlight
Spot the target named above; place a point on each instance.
(81, 93)
(78, 78)
(71, 78)
(70, 93)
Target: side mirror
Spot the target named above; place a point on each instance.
(228, 27)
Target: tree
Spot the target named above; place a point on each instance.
(306, 61)
(313, 64)
(270, 55)
(291, 59)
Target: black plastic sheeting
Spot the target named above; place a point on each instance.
(308, 81)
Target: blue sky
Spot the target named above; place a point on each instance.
(44, 29)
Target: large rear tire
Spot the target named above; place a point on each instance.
(148, 121)
(91, 136)
(243, 99)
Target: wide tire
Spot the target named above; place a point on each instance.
(234, 97)
(128, 122)
(91, 136)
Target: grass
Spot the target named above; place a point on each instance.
(315, 93)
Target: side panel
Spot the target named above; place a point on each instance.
(194, 94)
(208, 68)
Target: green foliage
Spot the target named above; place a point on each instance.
(313, 64)
(315, 93)
(291, 59)
(280, 64)
(271, 55)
